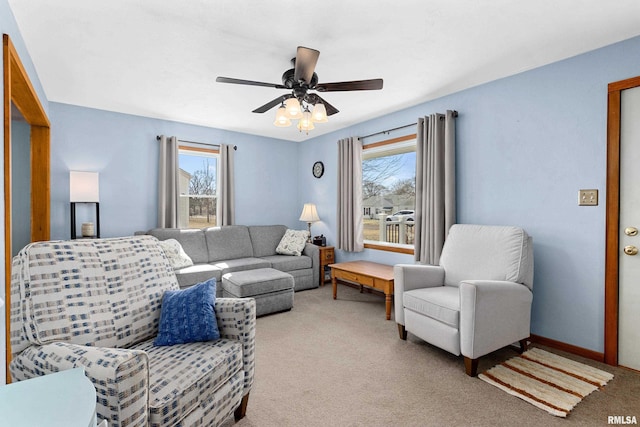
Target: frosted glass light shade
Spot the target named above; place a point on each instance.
(319, 114)
(305, 123)
(294, 111)
(84, 187)
(282, 121)
(309, 213)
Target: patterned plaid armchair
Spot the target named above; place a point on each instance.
(96, 304)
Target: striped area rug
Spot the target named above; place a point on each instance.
(546, 380)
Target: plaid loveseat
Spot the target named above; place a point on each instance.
(96, 304)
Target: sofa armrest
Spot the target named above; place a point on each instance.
(120, 376)
(407, 277)
(493, 314)
(312, 251)
(237, 321)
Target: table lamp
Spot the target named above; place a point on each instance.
(309, 215)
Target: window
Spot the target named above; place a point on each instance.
(389, 193)
(197, 177)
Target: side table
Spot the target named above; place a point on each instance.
(63, 399)
(327, 256)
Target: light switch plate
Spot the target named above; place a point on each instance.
(588, 197)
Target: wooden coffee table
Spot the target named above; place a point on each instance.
(365, 273)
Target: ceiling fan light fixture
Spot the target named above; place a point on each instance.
(294, 111)
(319, 114)
(282, 121)
(306, 123)
(305, 128)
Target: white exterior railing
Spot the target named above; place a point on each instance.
(396, 230)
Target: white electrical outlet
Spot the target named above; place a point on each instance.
(588, 197)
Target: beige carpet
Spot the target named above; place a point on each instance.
(546, 380)
(340, 363)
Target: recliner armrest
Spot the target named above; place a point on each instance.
(120, 376)
(407, 277)
(493, 314)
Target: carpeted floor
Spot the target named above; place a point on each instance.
(340, 363)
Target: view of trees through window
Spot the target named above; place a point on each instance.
(389, 193)
(197, 188)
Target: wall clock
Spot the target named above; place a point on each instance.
(318, 169)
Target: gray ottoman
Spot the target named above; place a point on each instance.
(272, 289)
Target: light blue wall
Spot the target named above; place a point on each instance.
(20, 185)
(9, 26)
(124, 150)
(525, 146)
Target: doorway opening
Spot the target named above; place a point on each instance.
(20, 95)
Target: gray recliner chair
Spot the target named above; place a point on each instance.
(477, 300)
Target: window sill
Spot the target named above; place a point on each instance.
(381, 246)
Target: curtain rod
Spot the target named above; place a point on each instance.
(455, 114)
(235, 147)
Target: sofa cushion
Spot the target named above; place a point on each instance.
(265, 238)
(189, 276)
(241, 264)
(293, 242)
(441, 303)
(184, 376)
(103, 292)
(187, 315)
(176, 255)
(288, 263)
(191, 239)
(228, 242)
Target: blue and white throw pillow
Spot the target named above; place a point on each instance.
(293, 242)
(187, 315)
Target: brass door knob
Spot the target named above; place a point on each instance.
(630, 250)
(631, 231)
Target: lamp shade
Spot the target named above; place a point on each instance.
(319, 113)
(84, 187)
(294, 110)
(309, 213)
(281, 118)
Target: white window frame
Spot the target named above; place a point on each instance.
(190, 150)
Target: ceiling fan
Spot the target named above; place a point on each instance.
(301, 80)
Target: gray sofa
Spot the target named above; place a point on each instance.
(216, 251)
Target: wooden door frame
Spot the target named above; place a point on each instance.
(19, 91)
(612, 251)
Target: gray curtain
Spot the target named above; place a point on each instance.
(226, 207)
(350, 216)
(168, 183)
(435, 185)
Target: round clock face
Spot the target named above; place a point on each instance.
(318, 169)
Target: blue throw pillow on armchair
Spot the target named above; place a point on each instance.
(187, 315)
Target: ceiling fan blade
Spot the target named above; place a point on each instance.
(248, 82)
(306, 60)
(373, 84)
(269, 105)
(331, 110)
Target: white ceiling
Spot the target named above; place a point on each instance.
(160, 58)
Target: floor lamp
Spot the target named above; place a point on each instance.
(84, 187)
